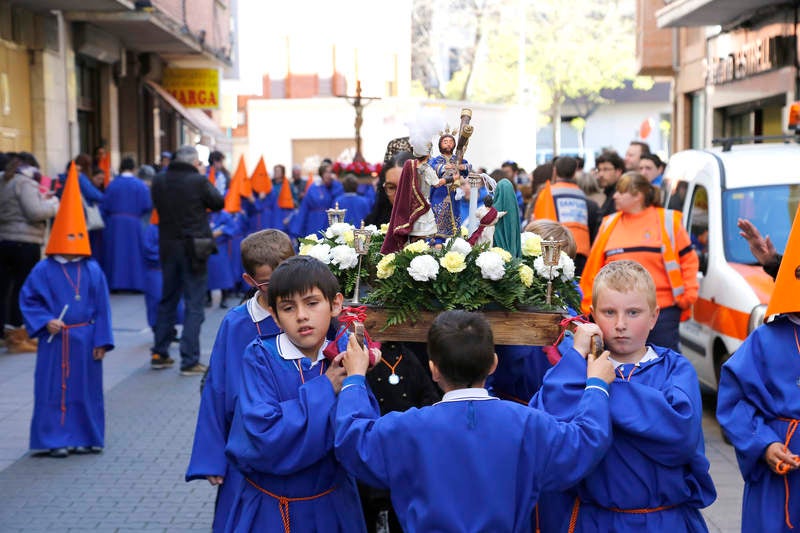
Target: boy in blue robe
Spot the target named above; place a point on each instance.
(281, 436)
(356, 206)
(758, 406)
(311, 217)
(261, 213)
(470, 462)
(220, 264)
(367, 192)
(126, 200)
(153, 278)
(65, 304)
(261, 253)
(655, 475)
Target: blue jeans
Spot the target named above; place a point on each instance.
(179, 279)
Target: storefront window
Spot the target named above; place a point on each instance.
(87, 77)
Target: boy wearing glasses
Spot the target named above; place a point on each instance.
(261, 252)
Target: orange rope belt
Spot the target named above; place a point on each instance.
(283, 502)
(65, 365)
(783, 469)
(573, 519)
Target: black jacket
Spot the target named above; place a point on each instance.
(181, 195)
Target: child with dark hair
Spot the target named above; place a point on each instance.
(261, 252)
(281, 436)
(356, 205)
(469, 462)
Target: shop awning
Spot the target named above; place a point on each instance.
(148, 32)
(687, 13)
(195, 117)
(78, 5)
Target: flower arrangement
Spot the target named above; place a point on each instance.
(359, 168)
(335, 248)
(460, 276)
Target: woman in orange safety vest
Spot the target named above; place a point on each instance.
(656, 238)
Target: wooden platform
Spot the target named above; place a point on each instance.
(517, 328)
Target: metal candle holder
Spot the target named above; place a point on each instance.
(551, 253)
(361, 240)
(335, 215)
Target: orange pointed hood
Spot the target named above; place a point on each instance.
(786, 294)
(68, 235)
(212, 175)
(240, 176)
(285, 199)
(545, 207)
(260, 178)
(233, 199)
(154, 217)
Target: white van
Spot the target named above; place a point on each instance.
(714, 188)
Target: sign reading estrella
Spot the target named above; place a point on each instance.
(193, 87)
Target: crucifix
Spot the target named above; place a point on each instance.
(359, 105)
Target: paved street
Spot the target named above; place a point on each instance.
(137, 483)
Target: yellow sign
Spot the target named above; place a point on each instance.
(193, 87)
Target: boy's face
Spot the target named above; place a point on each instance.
(259, 279)
(306, 318)
(625, 318)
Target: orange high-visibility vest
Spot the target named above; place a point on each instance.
(573, 213)
(670, 223)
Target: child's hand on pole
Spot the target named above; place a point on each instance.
(600, 367)
(356, 358)
(582, 341)
(336, 373)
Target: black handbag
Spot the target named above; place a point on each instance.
(202, 249)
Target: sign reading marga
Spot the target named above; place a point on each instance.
(193, 87)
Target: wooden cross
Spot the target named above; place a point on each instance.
(356, 102)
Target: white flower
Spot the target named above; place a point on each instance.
(338, 230)
(321, 252)
(491, 265)
(567, 266)
(312, 237)
(502, 252)
(344, 256)
(423, 268)
(373, 229)
(545, 271)
(459, 245)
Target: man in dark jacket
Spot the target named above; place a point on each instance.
(181, 195)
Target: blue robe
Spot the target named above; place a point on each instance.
(239, 226)
(311, 217)
(217, 404)
(356, 206)
(126, 201)
(281, 439)
(153, 279)
(73, 416)
(468, 465)
(367, 191)
(657, 457)
(220, 264)
(758, 386)
(519, 373)
(261, 214)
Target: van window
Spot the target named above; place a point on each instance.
(698, 225)
(673, 193)
(771, 209)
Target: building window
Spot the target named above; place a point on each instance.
(87, 77)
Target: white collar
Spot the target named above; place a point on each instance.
(649, 355)
(63, 260)
(460, 395)
(254, 309)
(290, 352)
(127, 174)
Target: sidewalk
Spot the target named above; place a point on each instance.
(137, 483)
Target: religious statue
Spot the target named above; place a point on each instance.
(488, 217)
